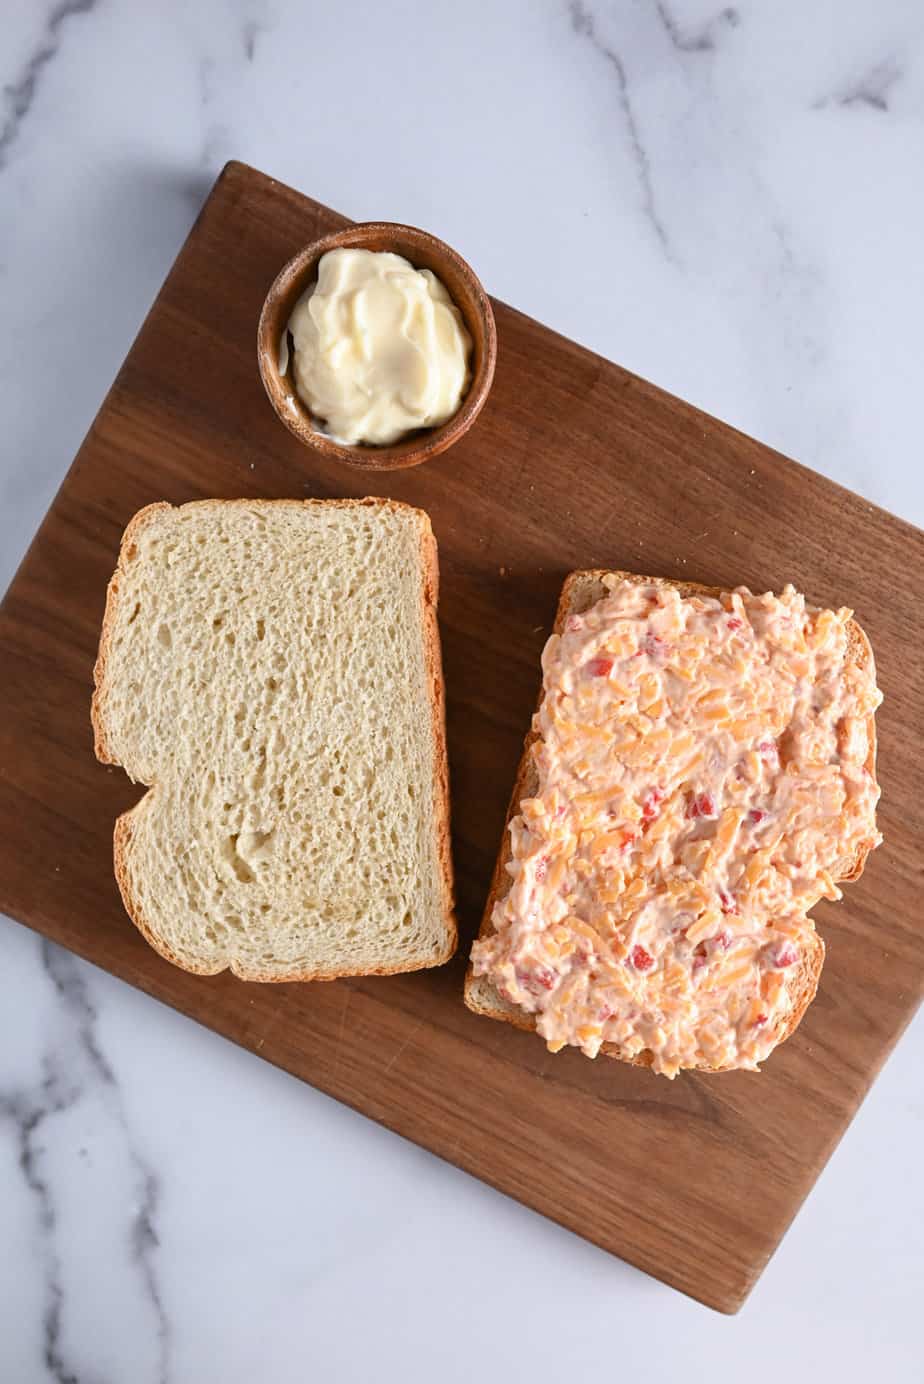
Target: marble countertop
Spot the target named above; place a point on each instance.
(727, 201)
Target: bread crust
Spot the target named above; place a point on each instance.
(125, 824)
(581, 590)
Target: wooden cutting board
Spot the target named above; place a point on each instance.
(574, 463)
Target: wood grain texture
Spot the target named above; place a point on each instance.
(573, 464)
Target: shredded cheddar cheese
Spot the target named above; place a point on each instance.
(702, 768)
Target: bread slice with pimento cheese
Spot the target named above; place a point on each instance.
(699, 773)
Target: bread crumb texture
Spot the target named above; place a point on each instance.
(266, 669)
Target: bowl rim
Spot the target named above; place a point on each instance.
(292, 411)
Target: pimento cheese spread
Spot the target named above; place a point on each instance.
(703, 772)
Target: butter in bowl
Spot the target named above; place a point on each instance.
(377, 346)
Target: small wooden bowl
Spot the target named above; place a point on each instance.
(424, 251)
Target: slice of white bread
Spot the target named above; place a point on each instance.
(580, 591)
(271, 669)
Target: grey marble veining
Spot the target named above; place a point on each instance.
(20, 92)
(74, 1075)
(702, 37)
(584, 23)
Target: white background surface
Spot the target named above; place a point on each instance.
(727, 201)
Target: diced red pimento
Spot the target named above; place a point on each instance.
(760, 1020)
(786, 955)
(600, 667)
(574, 623)
(768, 751)
(721, 942)
(541, 978)
(701, 805)
(756, 815)
(641, 959)
(628, 837)
(542, 865)
(650, 804)
(726, 901)
(734, 622)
